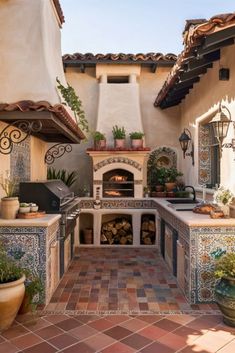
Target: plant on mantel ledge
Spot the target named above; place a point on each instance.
(72, 101)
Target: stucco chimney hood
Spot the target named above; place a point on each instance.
(30, 60)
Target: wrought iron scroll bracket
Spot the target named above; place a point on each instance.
(56, 151)
(16, 133)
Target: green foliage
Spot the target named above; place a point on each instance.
(68, 178)
(8, 183)
(136, 135)
(119, 132)
(171, 174)
(72, 100)
(98, 136)
(9, 270)
(225, 266)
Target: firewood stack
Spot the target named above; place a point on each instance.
(148, 230)
(118, 231)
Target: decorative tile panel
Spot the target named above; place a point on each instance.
(204, 160)
(20, 160)
(112, 160)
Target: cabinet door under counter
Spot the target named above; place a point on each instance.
(168, 246)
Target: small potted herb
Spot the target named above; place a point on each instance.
(99, 140)
(24, 207)
(119, 135)
(136, 139)
(9, 203)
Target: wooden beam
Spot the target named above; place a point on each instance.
(208, 58)
(219, 36)
(153, 68)
(206, 50)
(194, 73)
(186, 83)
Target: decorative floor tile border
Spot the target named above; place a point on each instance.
(128, 312)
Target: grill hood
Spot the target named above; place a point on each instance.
(49, 195)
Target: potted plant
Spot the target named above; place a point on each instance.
(225, 288)
(12, 289)
(24, 207)
(9, 203)
(136, 139)
(33, 287)
(223, 197)
(171, 178)
(99, 140)
(119, 135)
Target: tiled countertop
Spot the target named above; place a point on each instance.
(194, 219)
(45, 221)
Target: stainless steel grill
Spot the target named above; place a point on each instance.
(53, 196)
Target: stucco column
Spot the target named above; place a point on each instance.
(103, 78)
(132, 78)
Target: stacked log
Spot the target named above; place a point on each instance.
(117, 232)
(148, 230)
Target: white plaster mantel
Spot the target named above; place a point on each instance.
(133, 161)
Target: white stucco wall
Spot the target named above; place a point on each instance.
(200, 104)
(30, 55)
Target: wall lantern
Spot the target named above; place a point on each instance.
(186, 141)
(220, 125)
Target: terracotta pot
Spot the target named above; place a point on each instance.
(99, 145)
(159, 188)
(119, 143)
(9, 207)
(225, 297)
(11, 297)
(232, 211)
(170, 186)
(136, 143)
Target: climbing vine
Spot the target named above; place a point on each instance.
(73, 101)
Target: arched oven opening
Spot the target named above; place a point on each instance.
(118, 183)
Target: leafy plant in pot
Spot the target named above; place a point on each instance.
(99, 140)
(9, 203)
(12, 289)
(119, 135)
(68, 178)
(225, 287)
(171, 177)
(33, 287)
(136, 139)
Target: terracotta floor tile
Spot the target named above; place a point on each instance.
(63, 341)
(150, 318)
(156, 347)
(2, 339)
(99, 341)
(80, 347)
(187, 332)
(54, 319)
(117, 332)
(101, 324)
(86, 318)
(15, 331)
(68, 324)
(37, 324)
(136, 341)
(43, 347)
(117, 319)
(167, 325)
(49, 332)
(152, 332)
(134, 324)
(173, 341)
(181, 319)
(83, 332)
(26, 341)
(213, 341)
(7, 347)
(228, 348)
(118, 347)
